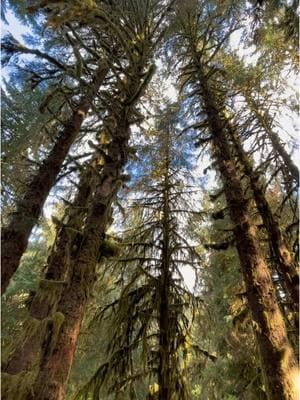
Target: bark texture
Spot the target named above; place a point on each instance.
(286, 265)
(277, 358)
(164, 368)
(23, 362)
(59, 348)
(45, 358)
(56, 361)
(15, 235)
(48, 377)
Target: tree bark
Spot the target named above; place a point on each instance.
(277, 356)
(47, 353)
(286, 265)
(16, 234)
(56, 361)
(59, 338)
(164, 369)
(42, 312)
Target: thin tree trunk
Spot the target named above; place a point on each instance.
(273, 136)
(277, 356)
(286, 265)
(15, 236)
(164, 372)
(59, 348)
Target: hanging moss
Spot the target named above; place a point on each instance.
(51, 284)
(285, 355)
(109, 248)
(19, 386)
(57, 320)
(30, 327)
(49, 293)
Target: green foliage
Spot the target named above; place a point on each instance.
(17, 298)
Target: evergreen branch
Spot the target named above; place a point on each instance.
(11, 45)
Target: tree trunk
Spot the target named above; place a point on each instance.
(42, 314)
(164, 369)
(41, 364)
(277, 357)
(286, 265)
(273, 136)
(60, 337)
(164, 372)
(59, 348)
(15, 236)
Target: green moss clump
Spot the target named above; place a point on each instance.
(285, 358)
(109, 248)
(49, 292)
(58, 319)
(19, 386)
(49, 284)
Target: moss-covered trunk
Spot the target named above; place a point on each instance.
(15, 235)
(59, 338)
(164, 372)
(286, 266)
(41, 363)
(22, 365)
(277, 357)
(56, 360)
(164, 368)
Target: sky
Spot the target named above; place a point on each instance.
(14, 26)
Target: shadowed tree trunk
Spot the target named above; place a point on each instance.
(286, 266)
(277, 356)
(164, 371)
(15, 235)
(164, 368)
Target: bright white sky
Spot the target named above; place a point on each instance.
(14, 27)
